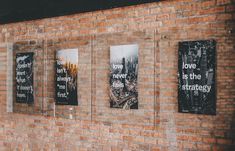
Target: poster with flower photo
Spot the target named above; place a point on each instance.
(66, 77)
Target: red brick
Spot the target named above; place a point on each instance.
(223, 2)
(157, 27)
(209, 140)
(224, 141)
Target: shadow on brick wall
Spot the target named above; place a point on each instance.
(231, 133)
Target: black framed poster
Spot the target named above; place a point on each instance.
(197, 84)
(66, 77)
(124, 76)
(24, 78)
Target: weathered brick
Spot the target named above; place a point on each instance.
(157, 28)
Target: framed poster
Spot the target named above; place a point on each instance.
(197, 87)
(24, 78)
(124, 76)
(66, 77)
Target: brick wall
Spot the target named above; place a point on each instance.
(157, 125)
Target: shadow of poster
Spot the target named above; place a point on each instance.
(24, 78)
(197, 89)
(66, 77)
(124, 76)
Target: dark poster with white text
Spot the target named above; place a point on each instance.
(66, 77)
(124, 76)
(196, 91)
(24, 78)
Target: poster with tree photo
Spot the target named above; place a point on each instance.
(196, 65)
(124, 76)
(24, 78)
(66, 77)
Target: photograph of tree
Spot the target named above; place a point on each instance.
(66, 77)
(24, 78)
(196, 91)
(124, 76)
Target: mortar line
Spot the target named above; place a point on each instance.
(154, 51)
(91, 76)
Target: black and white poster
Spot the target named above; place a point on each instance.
(197, 63)
(66, 77)
(24, 78)
(124, 76)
